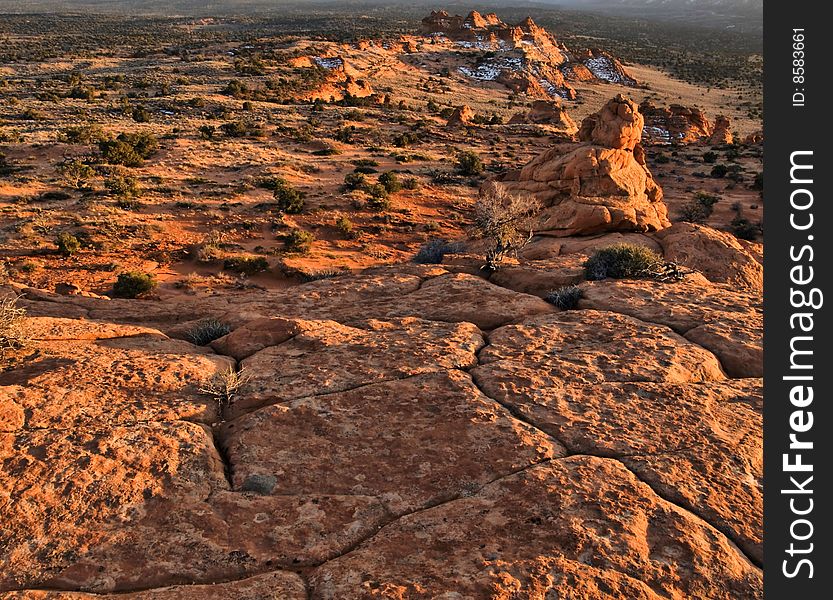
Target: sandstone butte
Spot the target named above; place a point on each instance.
(411, 431)
(601, 185)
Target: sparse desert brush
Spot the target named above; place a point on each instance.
(700, 208)
(629, 261)
(242, 129)
(469, 163)
(565, 297)
(12, 316)
(344, 226)
(289, 199)
(410, 183)
(210, 248)
(390, 181)
(75, 173)
(122, 186)
(83, 134)
(133, 284)
(309, 276)
(298, 241)
(128, 149)
(354, 181)
(434, 250)
(503, 219)
(206, 331)
(67, 244)
(379, 198)
(224, 386)
(246, 265)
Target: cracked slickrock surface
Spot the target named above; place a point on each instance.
(406, 434)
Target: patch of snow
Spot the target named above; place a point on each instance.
(603, 68)
(329, 63)
(490, 69)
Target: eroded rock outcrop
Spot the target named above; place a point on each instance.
(722, 133)
(462, 116)
(674, 124)
(404, 433)
(602, 185)
(547, 112)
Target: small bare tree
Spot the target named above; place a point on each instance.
(12, 332)
(504, 220)
(223, 386)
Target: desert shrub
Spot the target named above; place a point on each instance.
(84, 134)
(140, 114)
(344, 226)
(223, 386)
(503, 219)
(710, 157)
(354, 181)
(379, 199)
(128, 149)
(390, 181)
(307, 277)
(298, 241)
(133, 284)
(67, 243)
(719, 171)
(235, 88)
(434, 250)
(206, 331)
(289, 199)
(700, 208)
(622, 261)
(246, 265)
(744, 229)
(242, 129)
(410, 183)
(12, 317)
(75, 173)
(565, 297)
(469, 163)
(327, 151)
(207, 132)
(758, 182)
(123, 186)
(662, 159)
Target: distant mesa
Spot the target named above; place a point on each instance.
(525, 58)
(600, 185)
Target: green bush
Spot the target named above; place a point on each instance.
(344, 226)
(246, 265)
(565, 297)
(622, 261)
(289, 199)
(719, 171)
(75, 173)
(354, 181)
(379, 199)
(433, 251)
(207, 331)
(299, 241)
(133, 284)
(700, 208)
(390, 181)
(128, 149)
(469, 163)
(67, 244)
(123, 186)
